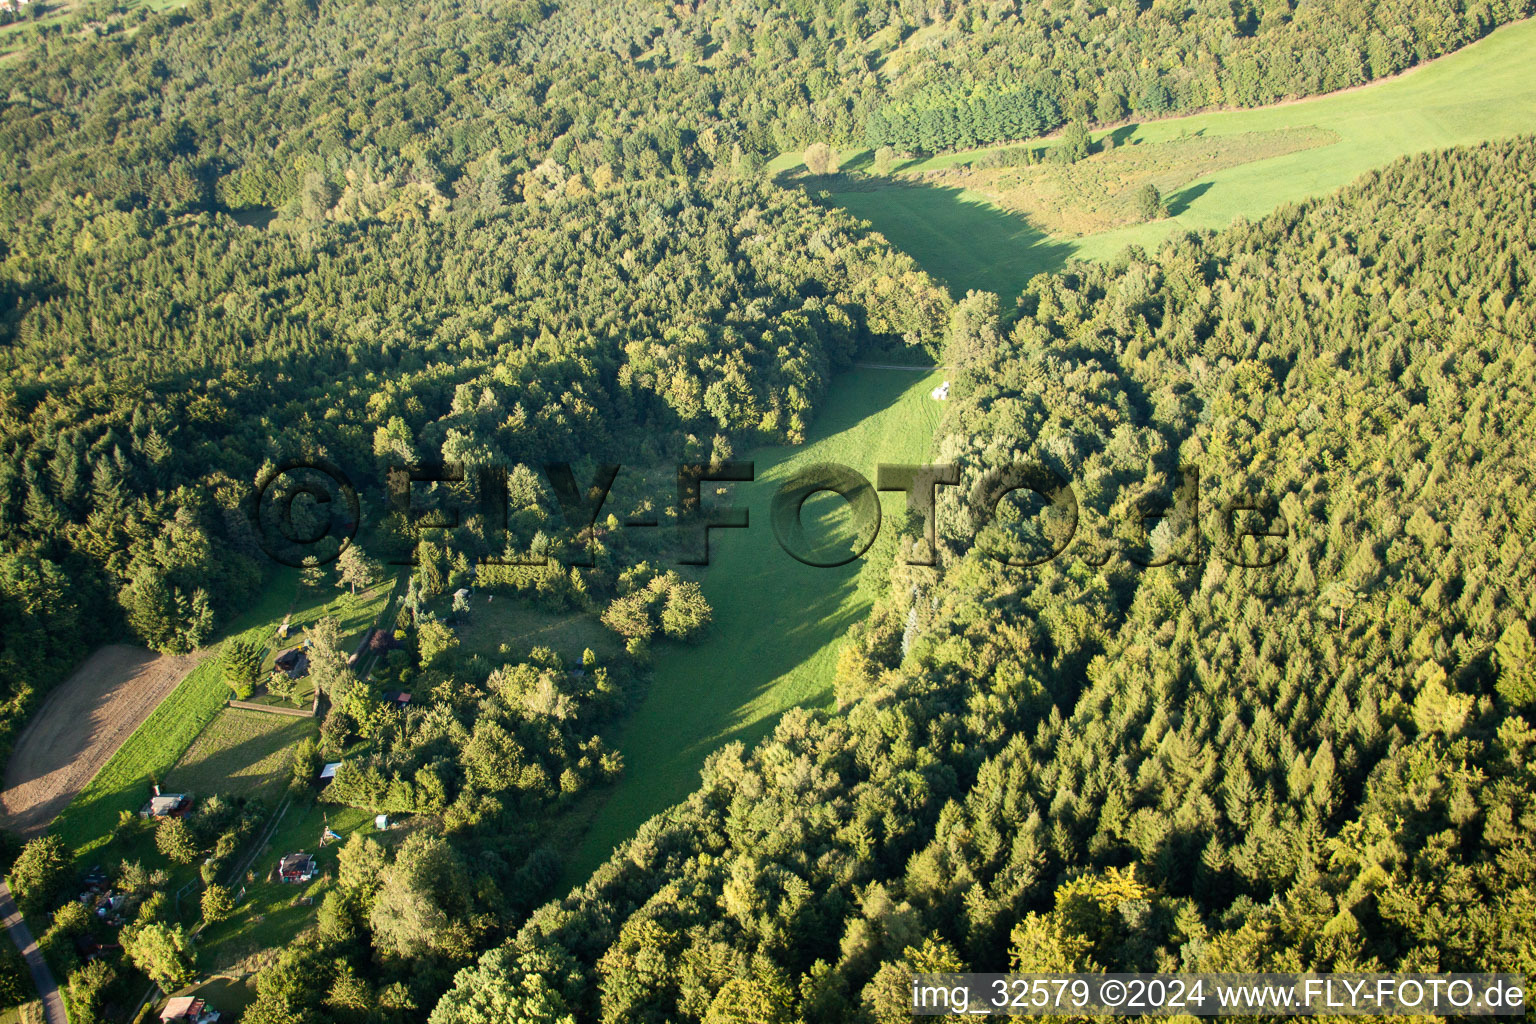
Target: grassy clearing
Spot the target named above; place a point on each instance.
(271, 913)
(777, 623)
(1098, 194)
(122, 784)
(958, 233)
(356, 614)
(957, 236)
(507, 628)
(243, 753)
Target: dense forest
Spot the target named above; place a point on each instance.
(1088, 765)
(160, 363)
(237, 103)
(482, 157)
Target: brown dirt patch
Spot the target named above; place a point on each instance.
(79, 728)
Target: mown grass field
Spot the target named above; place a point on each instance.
(241, 752)
(777, 622)
(507, 628)
(156, 746)
(1484, 91)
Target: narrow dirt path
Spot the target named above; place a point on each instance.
(42, 977)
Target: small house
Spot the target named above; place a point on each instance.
(328, 773)
(294, 662)
(381, 822)
(188, 1010)
(397, 698)
(297, 868)
(166, 805)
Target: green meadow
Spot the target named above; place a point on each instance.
(197, 706)
(1484, 91)
(777, 622)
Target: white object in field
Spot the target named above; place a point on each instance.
(941, 392)
(381, 822)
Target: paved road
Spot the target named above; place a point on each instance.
(42, 977)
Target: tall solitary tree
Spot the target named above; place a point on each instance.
(242, 666)
(819, 158)
(355, 569)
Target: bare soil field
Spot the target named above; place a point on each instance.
(79, 728)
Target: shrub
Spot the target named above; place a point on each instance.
(218, 903)
(1149, 203)
(39, 874)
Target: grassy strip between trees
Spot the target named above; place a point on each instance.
(956, 231)
(777, 623)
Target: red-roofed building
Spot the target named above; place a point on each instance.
(188, 1010)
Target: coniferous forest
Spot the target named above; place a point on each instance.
(1258, 696)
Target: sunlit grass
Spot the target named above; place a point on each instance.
(777, 622)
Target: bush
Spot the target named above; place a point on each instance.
(1075, 144)
(1149, 203)
(218, 903)
(820, 159)
(39, 874)
(86, 988)
(58, 942)
(15, 984)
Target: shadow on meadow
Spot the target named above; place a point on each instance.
(958, 238)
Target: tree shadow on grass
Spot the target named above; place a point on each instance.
(1181, 200)
(215, 771)
(1123, 133)
(774, 619)
(957, 237)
